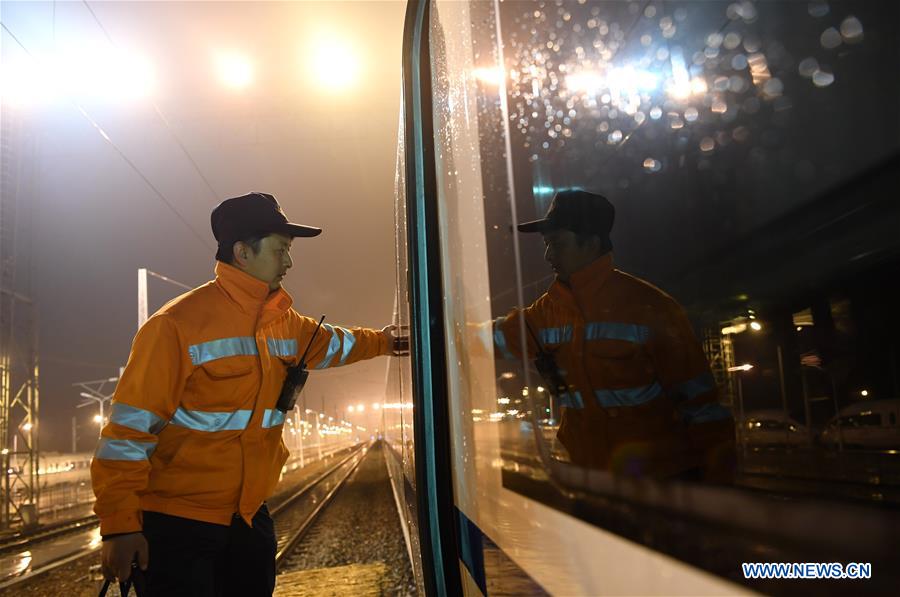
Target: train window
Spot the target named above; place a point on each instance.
(713, 235)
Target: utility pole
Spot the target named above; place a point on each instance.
(142, 291)
(19, 372)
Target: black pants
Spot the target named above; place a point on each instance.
(200, 559)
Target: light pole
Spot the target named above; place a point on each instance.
(740, 386)
(94, 393)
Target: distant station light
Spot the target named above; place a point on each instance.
(234, 69)
(334, 63)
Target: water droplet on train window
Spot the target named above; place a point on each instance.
(748, 11)
(739, 62)
(830, 38)
(733, 11)
(822, 78)
(737, 84)
(650, 12)
(639, 117)
(752, 43)
(662, 54)
(655, 112)
(818, 8)
(714, 40)
(676, 122)
(773, 87)
(680, 14)
(669, 32)
(740, 134)
(646, 39)
(691, 114)
(732, 40)
(719, 106)
(615, 136)
(808, 67)
(652, 166)
(751, 105)
(720, 83)
(851, 30)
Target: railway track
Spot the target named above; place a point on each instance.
(292, 515)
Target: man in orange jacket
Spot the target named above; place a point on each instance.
(193, 445)
(619, 355)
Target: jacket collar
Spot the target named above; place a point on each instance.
(586, 282)
(251, 294)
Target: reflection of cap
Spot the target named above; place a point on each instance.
(253, 214)
(578, 211)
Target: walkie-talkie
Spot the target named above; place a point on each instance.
(296, 378)
(545, 363)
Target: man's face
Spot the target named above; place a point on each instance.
(565, 255)
(272, 261)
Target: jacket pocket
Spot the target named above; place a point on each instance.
(618, 364)
(226, 368)
(223, 385)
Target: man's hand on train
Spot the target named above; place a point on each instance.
(397, 339)
(120, 551)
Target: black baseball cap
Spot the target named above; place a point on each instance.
(253, 214)
(576, 210)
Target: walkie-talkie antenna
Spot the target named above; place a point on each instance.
(306, 352)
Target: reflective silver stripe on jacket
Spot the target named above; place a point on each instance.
(136, 418)
(124, 449)
(556, 335)
(201, 420)
(628, 396)
(610, 330)
(224, 347)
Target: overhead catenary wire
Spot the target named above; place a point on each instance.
(169, 280)
(159, 194)
(159, 113)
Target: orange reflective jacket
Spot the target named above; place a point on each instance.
(194, 431)
(641, 399)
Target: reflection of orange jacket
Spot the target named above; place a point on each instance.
(194, 431)
(641, 398)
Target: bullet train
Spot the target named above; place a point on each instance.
(752, 152)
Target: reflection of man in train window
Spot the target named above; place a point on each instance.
(637, 397)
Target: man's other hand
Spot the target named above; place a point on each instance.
(397, 339)
(119, 552)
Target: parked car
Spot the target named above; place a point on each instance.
(868, 424)
(771, 427)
